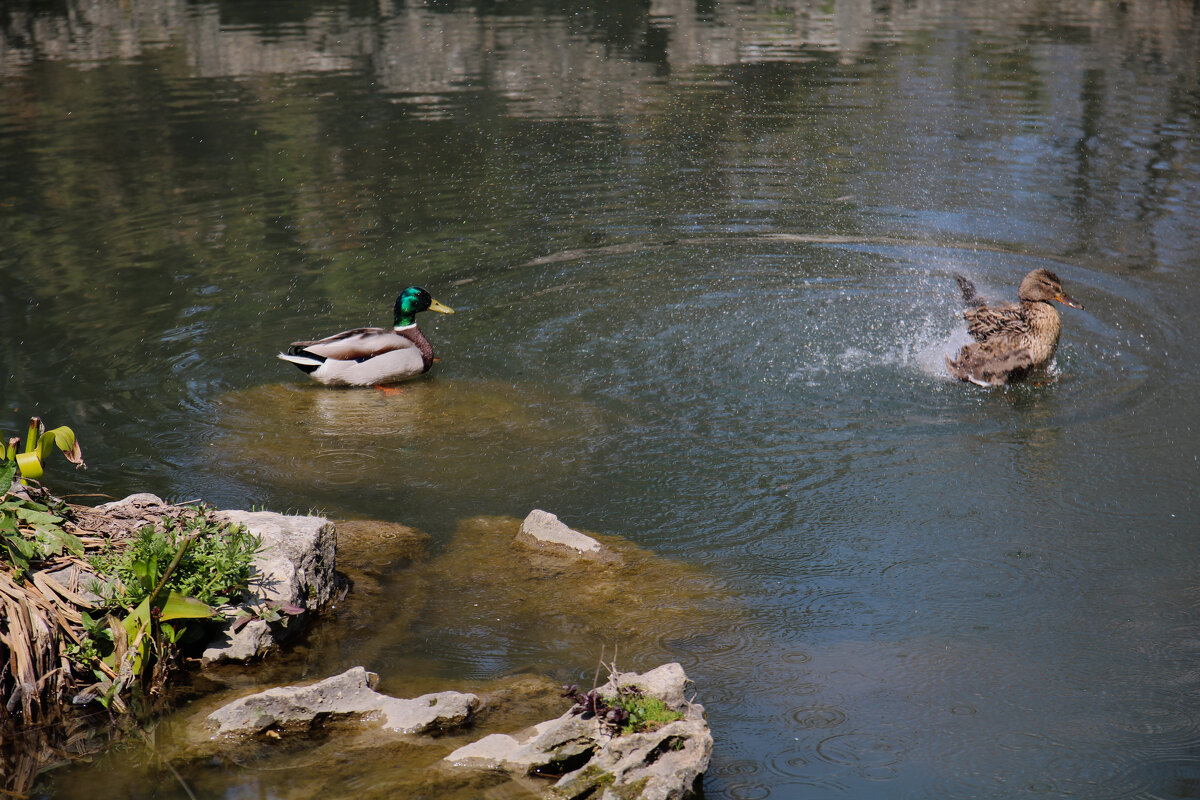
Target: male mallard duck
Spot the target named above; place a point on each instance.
(372, 356)
(1013, 338)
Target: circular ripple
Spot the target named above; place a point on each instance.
(817, 717)
(736, 769)
(789, 764)
(795, 657)
(740, 779)
(862, 750)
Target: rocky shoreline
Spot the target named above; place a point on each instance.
(576, 754)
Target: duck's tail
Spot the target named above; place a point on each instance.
(970, 294)
(306, 362)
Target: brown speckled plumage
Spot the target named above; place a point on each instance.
(1011, 339)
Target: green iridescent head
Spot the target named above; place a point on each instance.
(414, 300)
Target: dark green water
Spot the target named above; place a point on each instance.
(702, 259)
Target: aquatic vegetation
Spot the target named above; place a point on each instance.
(39, 443)
(31, 531)
(58, 642)
(630, 710)
(267, 612)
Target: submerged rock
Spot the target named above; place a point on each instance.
(288, 434)
(666, 763)
(349, 695)
(562, 606)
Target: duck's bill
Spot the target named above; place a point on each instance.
(434, 305)
(1067, 300)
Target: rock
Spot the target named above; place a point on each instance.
(663, 764)
(349, 695)
(298, 557)
(543, 747)
(667, 682)
(496, 751)
(542, 530)
(132, 504)
(252, 640)
(295, 569)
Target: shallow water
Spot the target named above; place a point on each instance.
(702, 258)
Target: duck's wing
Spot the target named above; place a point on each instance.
(986, 322)
(356, 345)
(993, 362)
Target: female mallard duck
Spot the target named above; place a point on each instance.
(372, 356)
(1011, 339)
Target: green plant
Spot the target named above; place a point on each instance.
(630, 710)
(163, 576)
(646, 712)
(267, 612)
(39, 443)
(94, 644)
(29, 530)
(214, 565)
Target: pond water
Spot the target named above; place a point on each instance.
(702, 260)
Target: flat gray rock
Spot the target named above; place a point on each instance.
(542, 746)
(543, 530)
(662, 764)
(667, 682)
(349, 695)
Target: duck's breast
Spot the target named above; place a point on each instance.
(1045, 327)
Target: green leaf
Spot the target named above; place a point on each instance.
(8, 471)
(137, 618)
(54, 540)
(31, 437)
(19, 549)
(146, 570)
(171, 632)
(27, 548)
(64, 438)
(177, 606)
(70, 541)
(29, 464)
(46, 544)
(14, 504)
(35, 517)
(180, 606)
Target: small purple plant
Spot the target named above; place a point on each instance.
(592, 704)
